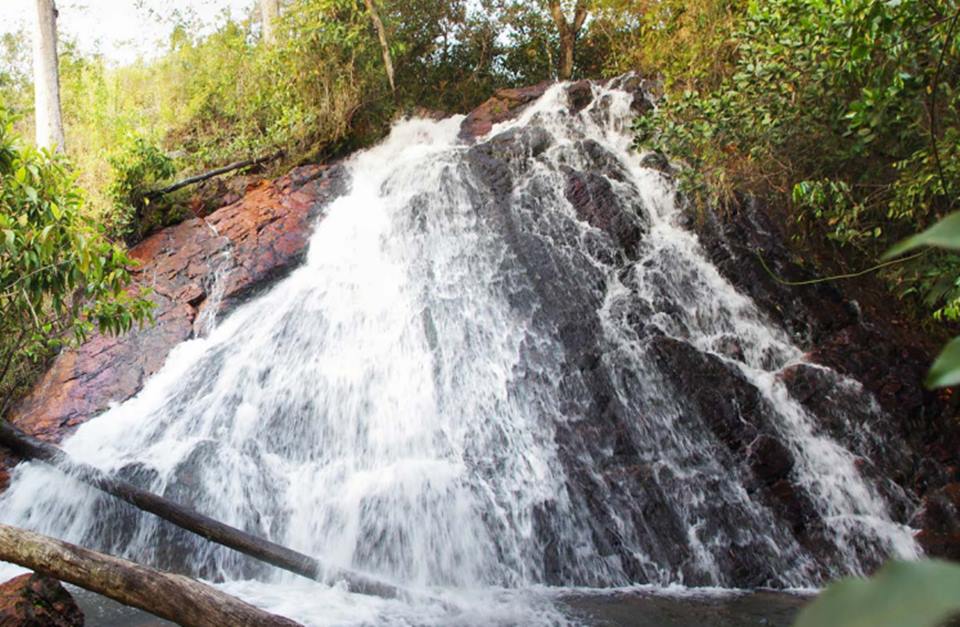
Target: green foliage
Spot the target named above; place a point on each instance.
(15, 72)
(58, 277)
(914, 594)
(944, 234)
(848, 112)
(138, 168)
(686, 42)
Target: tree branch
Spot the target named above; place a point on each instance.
(199, 178)
(173, 597)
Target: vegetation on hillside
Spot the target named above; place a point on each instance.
(844, 114)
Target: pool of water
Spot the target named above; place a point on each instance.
(635, 607)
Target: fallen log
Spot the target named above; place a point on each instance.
(199, 178)
(174, 597)
(27, 447)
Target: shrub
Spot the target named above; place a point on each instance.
(59, 278)
(137, 168)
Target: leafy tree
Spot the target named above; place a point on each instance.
(59, 278)
(847, 114)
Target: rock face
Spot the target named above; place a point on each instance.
(196, 270)
(37, 601)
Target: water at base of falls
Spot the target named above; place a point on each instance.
(473, 387)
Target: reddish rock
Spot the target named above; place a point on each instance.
(504, 105)
(247, 243)
(37, 601)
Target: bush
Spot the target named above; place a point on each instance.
(845, 112)
(137, 168)
(59, 278)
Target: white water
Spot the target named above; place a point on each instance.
(390, 408)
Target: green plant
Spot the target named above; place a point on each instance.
(137, 168)
(59, 278)
(843, 112)
(902, 594)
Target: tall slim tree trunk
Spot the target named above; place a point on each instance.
(46, 78)
(568, 32)
(269, 12)
(384, 45)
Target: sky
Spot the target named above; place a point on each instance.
(122, 30)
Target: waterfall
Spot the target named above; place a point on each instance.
(470, 387)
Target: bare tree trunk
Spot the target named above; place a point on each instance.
(384, 46)
(568, 32)
(174, 597)
(269, 12)
(46, 78)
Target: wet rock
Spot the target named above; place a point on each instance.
(249, 243)
(37, 601)
(748, 249)
(593, 199)
(939, 520)
(909, 441)
(769, 459)
(580, 95)
(503, 105)
(657, 161)
(640, 87)
(6, 462)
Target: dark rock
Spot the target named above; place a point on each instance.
(657, 161)
(641, 88)
(939, 520)
(37, 601)
(909, 443)
(595, 203)
(769, 459)
(580, 95)
(6, 462)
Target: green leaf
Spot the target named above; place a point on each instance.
(945, 371)
(902, 594)
(943, 234)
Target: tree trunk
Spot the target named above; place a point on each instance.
(269, 12)
(384, 45)
(46, 78)
(566, 55)
(272, 553)
(568, 32)
(173, 597)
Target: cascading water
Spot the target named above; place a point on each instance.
(471, 386)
